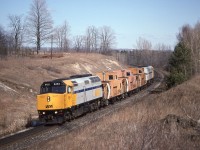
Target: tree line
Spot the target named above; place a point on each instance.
(95, 40)
(36, 29)
(145, 54)
(185, 60)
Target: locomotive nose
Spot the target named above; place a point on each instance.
(50, 101)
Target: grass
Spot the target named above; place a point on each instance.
(163, 121)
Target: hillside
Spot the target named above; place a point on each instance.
(161, 121)
(20, 80)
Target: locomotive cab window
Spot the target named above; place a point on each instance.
(128, 74)
(110, 77)
(53, 88)
(58, 89)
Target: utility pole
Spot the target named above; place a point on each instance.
(51, 45)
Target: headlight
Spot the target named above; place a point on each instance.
(43, 113)
(56, 112)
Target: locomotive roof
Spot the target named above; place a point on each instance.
(72, 77)
(143, 66)
(78, 78)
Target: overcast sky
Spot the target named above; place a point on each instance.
(155, 20)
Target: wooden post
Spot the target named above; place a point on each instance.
(51, 45)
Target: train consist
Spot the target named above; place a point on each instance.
(63, 99)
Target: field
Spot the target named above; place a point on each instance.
(169, 120)
(20, 79)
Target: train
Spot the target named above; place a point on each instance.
(64, 99)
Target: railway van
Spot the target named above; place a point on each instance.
(130, 80)
(140, 75)
(149, 74)
(113, 87)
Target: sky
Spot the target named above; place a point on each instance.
(157, 21)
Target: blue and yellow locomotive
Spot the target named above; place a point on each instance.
(62, 99)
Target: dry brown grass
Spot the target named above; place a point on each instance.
(145, 125)
(25, 75)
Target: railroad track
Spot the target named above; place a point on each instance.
(34, 136)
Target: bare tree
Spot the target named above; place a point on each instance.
(88, 40)
(79, 43)
(62, 36)
(143, 44)
(188, 37)
(91, 39)
(162, 47)
(15, 23)
(95, 34)
(102, 39)
(66, 41)
(196, 33)
(3, 44)
(161, 57)
(39, 23)
(107, 39)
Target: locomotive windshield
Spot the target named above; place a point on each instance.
(53, 88)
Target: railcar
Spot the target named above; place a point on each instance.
(149, 74)
(140, 76)
(61, 99)
(113, 86)
(130, 79)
